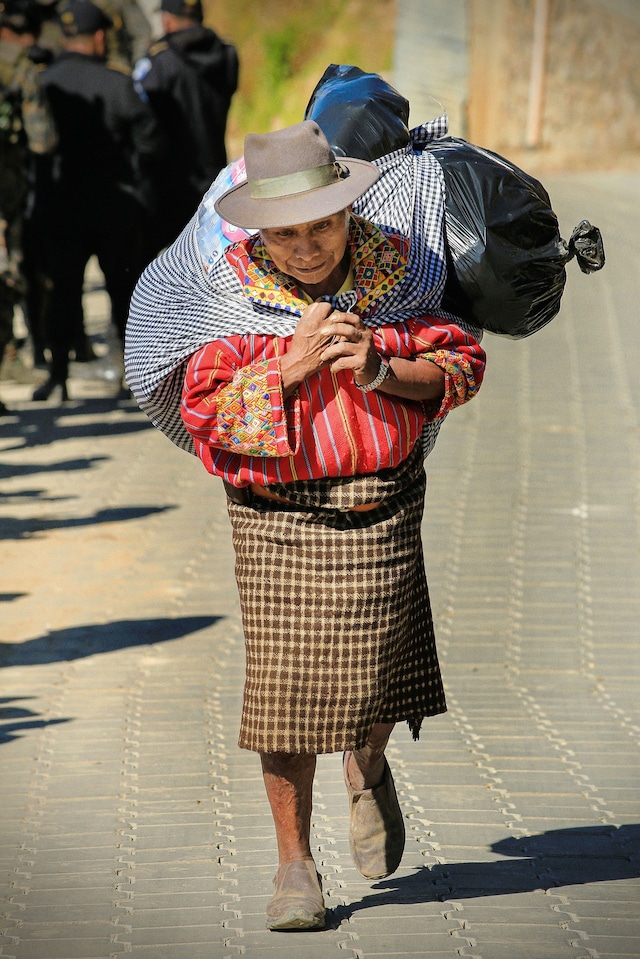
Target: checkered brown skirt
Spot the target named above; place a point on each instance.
(336, 615)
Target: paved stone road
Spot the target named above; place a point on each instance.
(130, 823)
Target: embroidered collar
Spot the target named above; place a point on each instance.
(378, 262)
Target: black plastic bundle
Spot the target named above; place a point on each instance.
(360, 114)
(506, 258)
(503, 242)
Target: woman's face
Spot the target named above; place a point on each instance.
(312, 253)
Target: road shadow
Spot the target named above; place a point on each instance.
(77, 642)
(11, 470)
(16, 720)
(546, 861)
(13, 528)
(65, 645)
(28, 427)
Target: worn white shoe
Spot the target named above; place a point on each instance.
(297, 902)
(376, 826)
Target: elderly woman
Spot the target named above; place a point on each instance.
(313, 413)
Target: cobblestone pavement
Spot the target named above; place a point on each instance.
(130, 821)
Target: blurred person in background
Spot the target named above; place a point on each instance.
(130, 34)
(126, 39)
(26, 130)
(100, 194)
(30, 14)
(188, 77)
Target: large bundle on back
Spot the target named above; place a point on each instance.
(506, 258)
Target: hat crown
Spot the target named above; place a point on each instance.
(296, 149)
(293, 177)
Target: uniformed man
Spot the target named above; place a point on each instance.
(26, 128)
(127, 38)
(100, 194)
(188, 77)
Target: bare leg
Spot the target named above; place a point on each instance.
(366, 765)
(288, 780)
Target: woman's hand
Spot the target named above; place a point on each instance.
(326, 337)
(352, 347)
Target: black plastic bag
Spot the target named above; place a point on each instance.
(506, 256)
(360, 114)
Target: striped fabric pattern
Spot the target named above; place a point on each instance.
(247, 433)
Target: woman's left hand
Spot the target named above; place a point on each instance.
(352, 347)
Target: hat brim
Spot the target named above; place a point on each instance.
(239, 208)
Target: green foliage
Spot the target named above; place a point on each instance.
(284, 48)
(280, 47)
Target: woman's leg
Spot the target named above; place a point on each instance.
(376, 826)
(297, 901)
(288, 780)
(366, 765)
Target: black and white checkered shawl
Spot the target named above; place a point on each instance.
(190, 296)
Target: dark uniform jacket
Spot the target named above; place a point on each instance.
(189, 78)
(109, 141)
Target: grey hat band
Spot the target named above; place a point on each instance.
(274, 187)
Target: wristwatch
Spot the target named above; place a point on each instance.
(376, 381)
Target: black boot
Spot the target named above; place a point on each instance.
(52, 385)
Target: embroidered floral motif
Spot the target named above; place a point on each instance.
(243, 410)
(378, 261)
(460, 382)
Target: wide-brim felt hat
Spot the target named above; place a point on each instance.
(293, 177)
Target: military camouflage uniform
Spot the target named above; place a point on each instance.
(26, 125)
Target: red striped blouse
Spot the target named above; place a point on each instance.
(245, 432)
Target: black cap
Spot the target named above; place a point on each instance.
(21, 16)
(191, 9)
(80, 17)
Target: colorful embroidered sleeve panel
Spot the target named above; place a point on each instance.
(250, 416)
(245, 432)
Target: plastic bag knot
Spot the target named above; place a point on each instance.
(586, 245)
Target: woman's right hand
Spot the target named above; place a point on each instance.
(304, 355)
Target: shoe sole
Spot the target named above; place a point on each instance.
(296, 919)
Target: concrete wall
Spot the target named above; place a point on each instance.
(430, 63)
(590, 94)
(477, 57)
